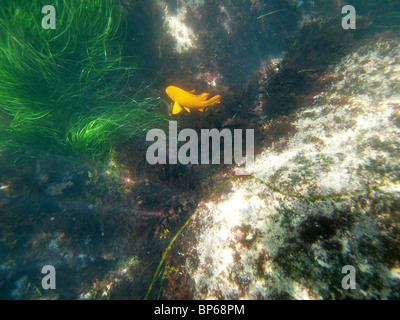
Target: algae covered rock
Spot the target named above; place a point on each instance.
(326, 198)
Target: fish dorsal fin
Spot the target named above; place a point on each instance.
(192, 91)
(204, 96)
(176, 108)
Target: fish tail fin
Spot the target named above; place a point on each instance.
(176, 108)
(204, 96)
(214, 100)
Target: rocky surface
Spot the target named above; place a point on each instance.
(336, 200)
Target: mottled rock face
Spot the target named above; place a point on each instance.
(336, 201)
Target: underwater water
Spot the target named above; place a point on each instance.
(115, 182)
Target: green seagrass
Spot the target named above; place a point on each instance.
(62, 90)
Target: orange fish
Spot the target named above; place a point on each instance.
(188, 100)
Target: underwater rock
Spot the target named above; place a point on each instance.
(57, 188)
(334, 202)
(19, 287)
